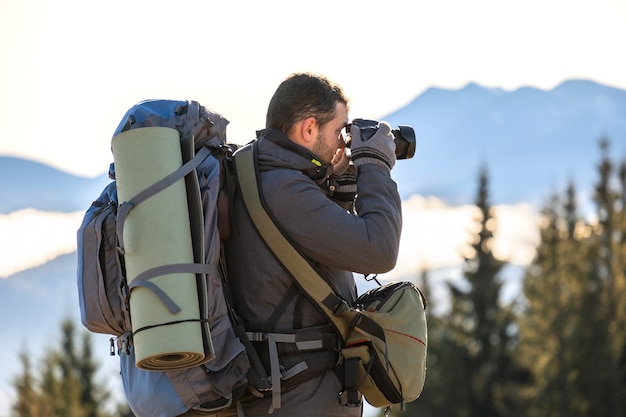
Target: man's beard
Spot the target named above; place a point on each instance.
(323, 151)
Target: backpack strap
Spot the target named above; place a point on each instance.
(302, 271)
(337, 310)
(143, 280)
(291, 294)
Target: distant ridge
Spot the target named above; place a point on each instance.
(30, 184)
(532, 141)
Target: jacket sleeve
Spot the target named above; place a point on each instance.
(365, 242)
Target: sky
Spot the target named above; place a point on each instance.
(71, 68)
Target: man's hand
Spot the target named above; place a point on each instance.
(340, 161)
(380, 149)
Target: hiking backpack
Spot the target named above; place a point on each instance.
(105, 289)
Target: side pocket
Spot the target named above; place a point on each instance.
(100, 273)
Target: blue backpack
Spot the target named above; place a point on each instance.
(104, 291)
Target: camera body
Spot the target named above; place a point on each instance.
(403, 136)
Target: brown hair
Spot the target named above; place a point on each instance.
(300, 96)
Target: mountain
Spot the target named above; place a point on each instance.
(532, 141)
(29, 184)
(33, 304)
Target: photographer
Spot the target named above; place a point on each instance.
(309, 190)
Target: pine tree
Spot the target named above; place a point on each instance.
(28, 400)
(610, 197)
(66, 384)
(91, 394)
(573, 330)
(471, 368)
(554, 330)
(69, 382)
(487, 324)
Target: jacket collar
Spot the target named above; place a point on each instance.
(313, 168)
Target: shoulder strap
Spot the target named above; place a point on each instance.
(305, 275)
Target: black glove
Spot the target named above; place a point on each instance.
(380, 149)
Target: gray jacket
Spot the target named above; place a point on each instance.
(336, 241)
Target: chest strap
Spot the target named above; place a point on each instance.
(304, 340)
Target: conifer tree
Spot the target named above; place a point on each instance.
(487, 324)
(471, 368)
(554, 330)
(610, 197)
(28, 400)
(66, 384)
(573, 327)
(91, 394)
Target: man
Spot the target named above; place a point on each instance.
(301, 154)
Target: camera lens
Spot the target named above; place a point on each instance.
(403, 136)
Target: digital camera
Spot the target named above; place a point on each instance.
(403, 136)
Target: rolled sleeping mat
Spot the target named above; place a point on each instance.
(157, 232)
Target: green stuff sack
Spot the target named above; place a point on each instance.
(385, 353)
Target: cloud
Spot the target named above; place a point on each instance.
(436, 235)
(31, 238)
(517, 233)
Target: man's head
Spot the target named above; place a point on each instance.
(311, 111)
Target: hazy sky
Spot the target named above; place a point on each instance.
(70, 69)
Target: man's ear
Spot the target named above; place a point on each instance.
(309, 129)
